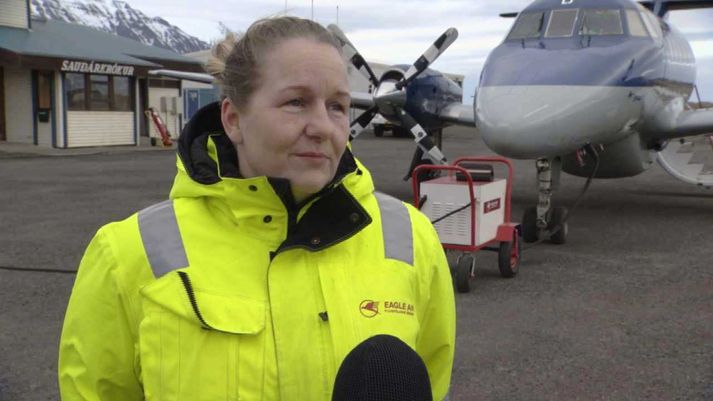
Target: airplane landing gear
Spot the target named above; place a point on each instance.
(544, 221)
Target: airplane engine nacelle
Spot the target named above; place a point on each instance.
(384, 95)
(625, 158)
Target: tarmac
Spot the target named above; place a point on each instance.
(622, 311)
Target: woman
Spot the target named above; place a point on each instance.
(273, 257)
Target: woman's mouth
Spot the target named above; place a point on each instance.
(312, 155)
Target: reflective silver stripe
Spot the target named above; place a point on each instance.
(162, 239)
(396, 227)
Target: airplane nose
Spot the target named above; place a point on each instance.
(528, 122)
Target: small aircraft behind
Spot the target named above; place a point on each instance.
(606, 80)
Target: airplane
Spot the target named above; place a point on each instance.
(594, 88)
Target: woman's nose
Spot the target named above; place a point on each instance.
(319, 125)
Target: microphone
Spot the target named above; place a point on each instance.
(382, 368)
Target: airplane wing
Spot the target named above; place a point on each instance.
(693, 122)
(458, 113)
(689, 154)
(189, 76)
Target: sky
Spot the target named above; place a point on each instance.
(399, 31)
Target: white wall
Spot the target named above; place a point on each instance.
(18, 105)
(13, 13)
(44, 133)
(171, 120)
(100, 128)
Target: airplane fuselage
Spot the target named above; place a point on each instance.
(587, 72)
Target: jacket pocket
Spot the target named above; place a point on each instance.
(366, 299)
(194, 343)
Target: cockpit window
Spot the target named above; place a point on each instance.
(561, 23)
(601, 22)
(636, 27)
(528, 25)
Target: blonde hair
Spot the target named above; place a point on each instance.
(235, 62)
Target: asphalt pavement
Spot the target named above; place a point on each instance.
(622, 311)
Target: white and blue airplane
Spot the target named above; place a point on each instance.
(594, 88)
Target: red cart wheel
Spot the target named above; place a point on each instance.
(509, 257)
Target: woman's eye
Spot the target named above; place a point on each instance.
(296, 102)
(338, 107)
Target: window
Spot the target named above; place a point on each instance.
(636, 26)
(528, 25)
(601, 22)
(122, 94)
(98, 92)
(75, 90)
(561, 23)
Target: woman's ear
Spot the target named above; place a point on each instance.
(230, 118)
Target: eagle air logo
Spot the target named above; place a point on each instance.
(369, 308)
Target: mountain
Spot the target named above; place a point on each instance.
(118, 17)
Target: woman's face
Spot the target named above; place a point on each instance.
(295, 125)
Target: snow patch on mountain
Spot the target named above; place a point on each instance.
(118, 17)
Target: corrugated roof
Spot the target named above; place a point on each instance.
(70, 41)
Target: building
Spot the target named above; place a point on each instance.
(64, 85)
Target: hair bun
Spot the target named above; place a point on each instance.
(219, 56)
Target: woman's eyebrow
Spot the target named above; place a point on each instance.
(294, 88)
(305, 88)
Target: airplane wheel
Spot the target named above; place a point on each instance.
(463, 273)
(557, 219)
(378, 131)
(529, 224)
(509, 256)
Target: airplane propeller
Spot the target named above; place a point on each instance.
(351, 53)
(422, 139)
(358, 125)
(390, 97)
(429, 56)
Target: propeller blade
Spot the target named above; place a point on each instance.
(351, 53)
(428, 57)
(421, 137)
(358, 125)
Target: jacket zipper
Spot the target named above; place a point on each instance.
(272, 322)
(192, 298)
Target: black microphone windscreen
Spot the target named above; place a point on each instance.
(382, 368)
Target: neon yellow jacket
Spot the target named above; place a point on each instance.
(230, 291)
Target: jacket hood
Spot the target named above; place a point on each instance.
(208, 166)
